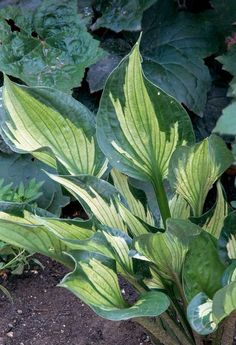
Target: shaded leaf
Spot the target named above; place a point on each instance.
(120, 14)
(17, 168)
(174, 46)
(227, 240)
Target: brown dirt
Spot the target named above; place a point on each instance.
(43, 314)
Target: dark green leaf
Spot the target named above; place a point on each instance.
(119, 15)
(58, 51)
(202, 270)
(174, 45)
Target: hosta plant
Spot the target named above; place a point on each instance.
(182, 266)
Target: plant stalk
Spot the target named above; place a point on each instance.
(162, 199)
(155, 330)
(229, 329)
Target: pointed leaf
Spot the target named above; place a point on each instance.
(132, 126)
(33, 238)
(95, 281)
(193, 170)
(135, 205)
(212, 221)
(202, 269)
(103, 201)
(50, 121)
(200, 316)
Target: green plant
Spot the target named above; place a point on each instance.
(182, 269)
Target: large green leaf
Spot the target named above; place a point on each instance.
(227, 240)
(17, 168)
(174, 46)
(51, 46)
(95, 281)
(199, 314)
(33, 238)
(224, 302)
(202, 269)
(46, 119)
(121, 15)
(168, 250)
(102, 200)
(138, 125)
(193, 170)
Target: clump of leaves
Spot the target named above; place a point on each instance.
(182, 268)
(49, 46)
(22, 193)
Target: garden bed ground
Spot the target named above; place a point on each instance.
(43, 314)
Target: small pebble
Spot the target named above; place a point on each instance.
(19, 311)
(10, 334)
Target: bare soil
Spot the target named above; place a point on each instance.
(44, 314)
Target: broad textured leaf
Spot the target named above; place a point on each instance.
(193, 170)
(51, 46)
(102, 200)
(132, 126)
(174, 46)
(17, 168)
(202, 270)
(95, 281)
(168, 250)
(227, 240)
(119, 15)
(44, 118)
(199, 314)
(224, 302)
(229, 275)
(135, 205)
(223, 16)
(33, 238)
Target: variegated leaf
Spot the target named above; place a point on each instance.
(48, 124)
(193, 170)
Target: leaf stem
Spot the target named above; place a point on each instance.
(161, 196)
